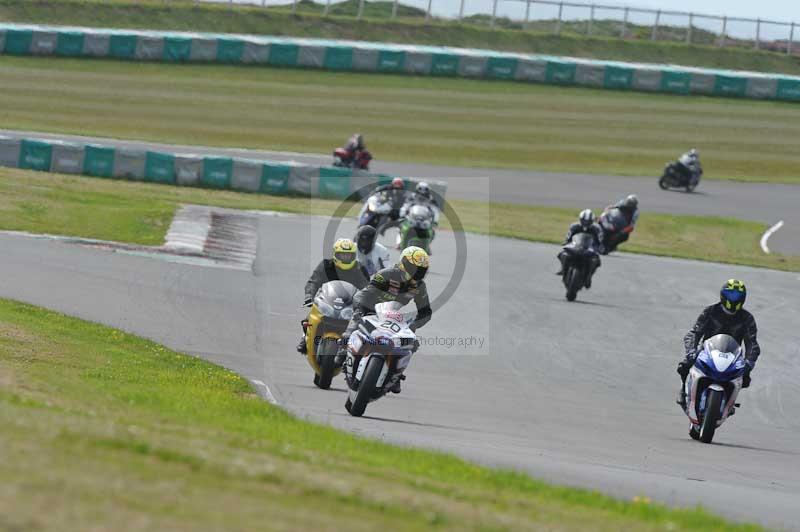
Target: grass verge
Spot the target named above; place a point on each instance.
(408, 28)
(104, 430)
(140, 213)
(459, 122)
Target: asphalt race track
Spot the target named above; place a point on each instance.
(577, 393)
(766, 203)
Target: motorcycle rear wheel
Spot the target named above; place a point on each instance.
(366, 387)
(709, 423)
(663, 183)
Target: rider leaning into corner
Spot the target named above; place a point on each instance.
(585, 224)
(402, 283)
(629, 206)
(396, 193)
(689, 164)
(342, 267)
(372, 255)
(355, 144)
(726, 317)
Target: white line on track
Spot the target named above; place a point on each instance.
(267, 394)
(768, 234)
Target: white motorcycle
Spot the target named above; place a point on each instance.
(713, 384)
(378, 353)
(376, 211)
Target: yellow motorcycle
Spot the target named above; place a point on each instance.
(330, 313)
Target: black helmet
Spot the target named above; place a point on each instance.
(586, 218)
(631, 202)
(365, 238)
(732, 296)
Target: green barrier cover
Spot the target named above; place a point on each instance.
(122, 46)
(18, 41)
(501, 67)
(217, 172)
(283, 54)
(274, 179)
(444, 64)
(788, 89)
(69, 43)
(334, 182)
(229, 50)
(560, 73)
(390, 61)
(35, 155)
(159, 167)
(617, 77)
(98, 161)
(339, 57)
(676, 82)
(730, 86)
(177, 49)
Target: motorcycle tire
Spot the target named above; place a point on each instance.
(366, 387)
(712, 415)
(326, 357)
(694, 433)
(663, 183)
(574, 283)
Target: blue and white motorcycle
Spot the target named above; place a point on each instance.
(713, 384)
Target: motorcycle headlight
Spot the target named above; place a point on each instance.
(324, 308)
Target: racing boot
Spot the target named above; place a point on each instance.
(397, 388)
(681, 399)
(560, 258)
(301, 347)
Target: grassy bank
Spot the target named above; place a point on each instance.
(408, 28)
(441, 121)
(103, 430)
(140, 213)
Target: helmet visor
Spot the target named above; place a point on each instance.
(345, 257)
(734, 296)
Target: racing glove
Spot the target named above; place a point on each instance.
(683, 368)
(307, 301)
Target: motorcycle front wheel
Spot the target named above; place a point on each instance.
(573, 283)
(366, 387)
(663, 182)
(709, 424)
(326, 358)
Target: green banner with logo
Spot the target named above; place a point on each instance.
(444, 64)
(274, 179)
(229, 50)
(69, 43)
(18, 41)
(159, 167)
(730, 86)
(98, 161)
(35, 155)
(501, 67)
(283, 54)
(788, 89)
(676, 82)
(560, 73)
(390, 61)
(338, 57)
(217, 172)
(122, 46)
(177, 49)
(615, 77)
(334, 182)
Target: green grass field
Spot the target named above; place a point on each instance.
(140, 213)
(106, 431)
(189, 16)
(443, 121)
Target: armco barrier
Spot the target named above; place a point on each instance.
(186, 169)
(22, 39)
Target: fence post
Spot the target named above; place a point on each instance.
(294, 7)
(394, 9)
(461, 11)
(360, 9)
(527, 15)
(494, 14)
(758, 34)
(689, 31)
(591, 21)
(654, 37)
(428, 12)
(791, 39)
(560, 14)
(722, 37)
(625, 24)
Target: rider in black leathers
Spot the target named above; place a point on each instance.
(403, 283)
(585, 224)
(726, 317)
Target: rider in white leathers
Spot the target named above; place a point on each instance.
(372, 255)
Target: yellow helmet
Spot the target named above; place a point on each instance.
(344, 254)
(414, 261)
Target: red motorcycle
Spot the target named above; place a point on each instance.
(616, 228)
(345, 158)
